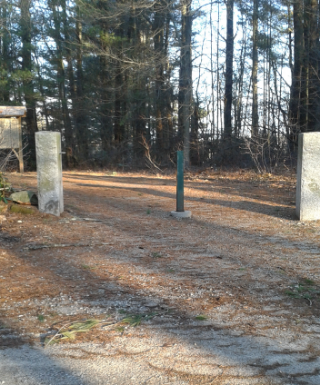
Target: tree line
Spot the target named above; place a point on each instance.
(130, 82)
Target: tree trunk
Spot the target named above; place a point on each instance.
(31, 119)
(229, 73)
(158, 39)
(61, 78)
(81, 126)
(106, 129)
(118, 126)
(255, 117)
(185, 79)
(4, 53)
(295, 114)
(313, 62)
(105, 96)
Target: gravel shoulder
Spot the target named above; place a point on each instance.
(230, 296)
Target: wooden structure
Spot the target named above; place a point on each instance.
(10, 130)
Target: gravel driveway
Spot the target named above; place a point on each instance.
(230, 296)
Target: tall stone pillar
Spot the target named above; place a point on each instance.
(49, 170)
(308, 177)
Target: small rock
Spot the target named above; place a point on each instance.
(24, 197)
(151, 303)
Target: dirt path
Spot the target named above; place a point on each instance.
(231, 296)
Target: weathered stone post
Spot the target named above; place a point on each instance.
(308, 177)
(49, 170)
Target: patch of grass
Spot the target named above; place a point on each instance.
(149, 316)
(40, 317)
(136, 319)
(292, 294)
(148, 211)
(70, 331)
(242, 268)
(120, 329)
(201, 317)
(304, 290)
(121, 311)
(132, 320)
(78, 327)
(87, 267)
(46, 220)
(170, 270)
(310, 230)
(156, 255)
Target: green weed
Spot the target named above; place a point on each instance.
(136, 319)
(304, 290)
(132, 320)
(156, 255)
(70, 331)
(87, 267)
(201, 317)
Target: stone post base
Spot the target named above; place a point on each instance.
(181, 214)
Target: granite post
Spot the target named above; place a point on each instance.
(308, 177)
(49, 170)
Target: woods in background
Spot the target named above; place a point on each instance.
(128, 83)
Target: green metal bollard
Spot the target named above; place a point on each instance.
(180, 193)
(180, 213)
